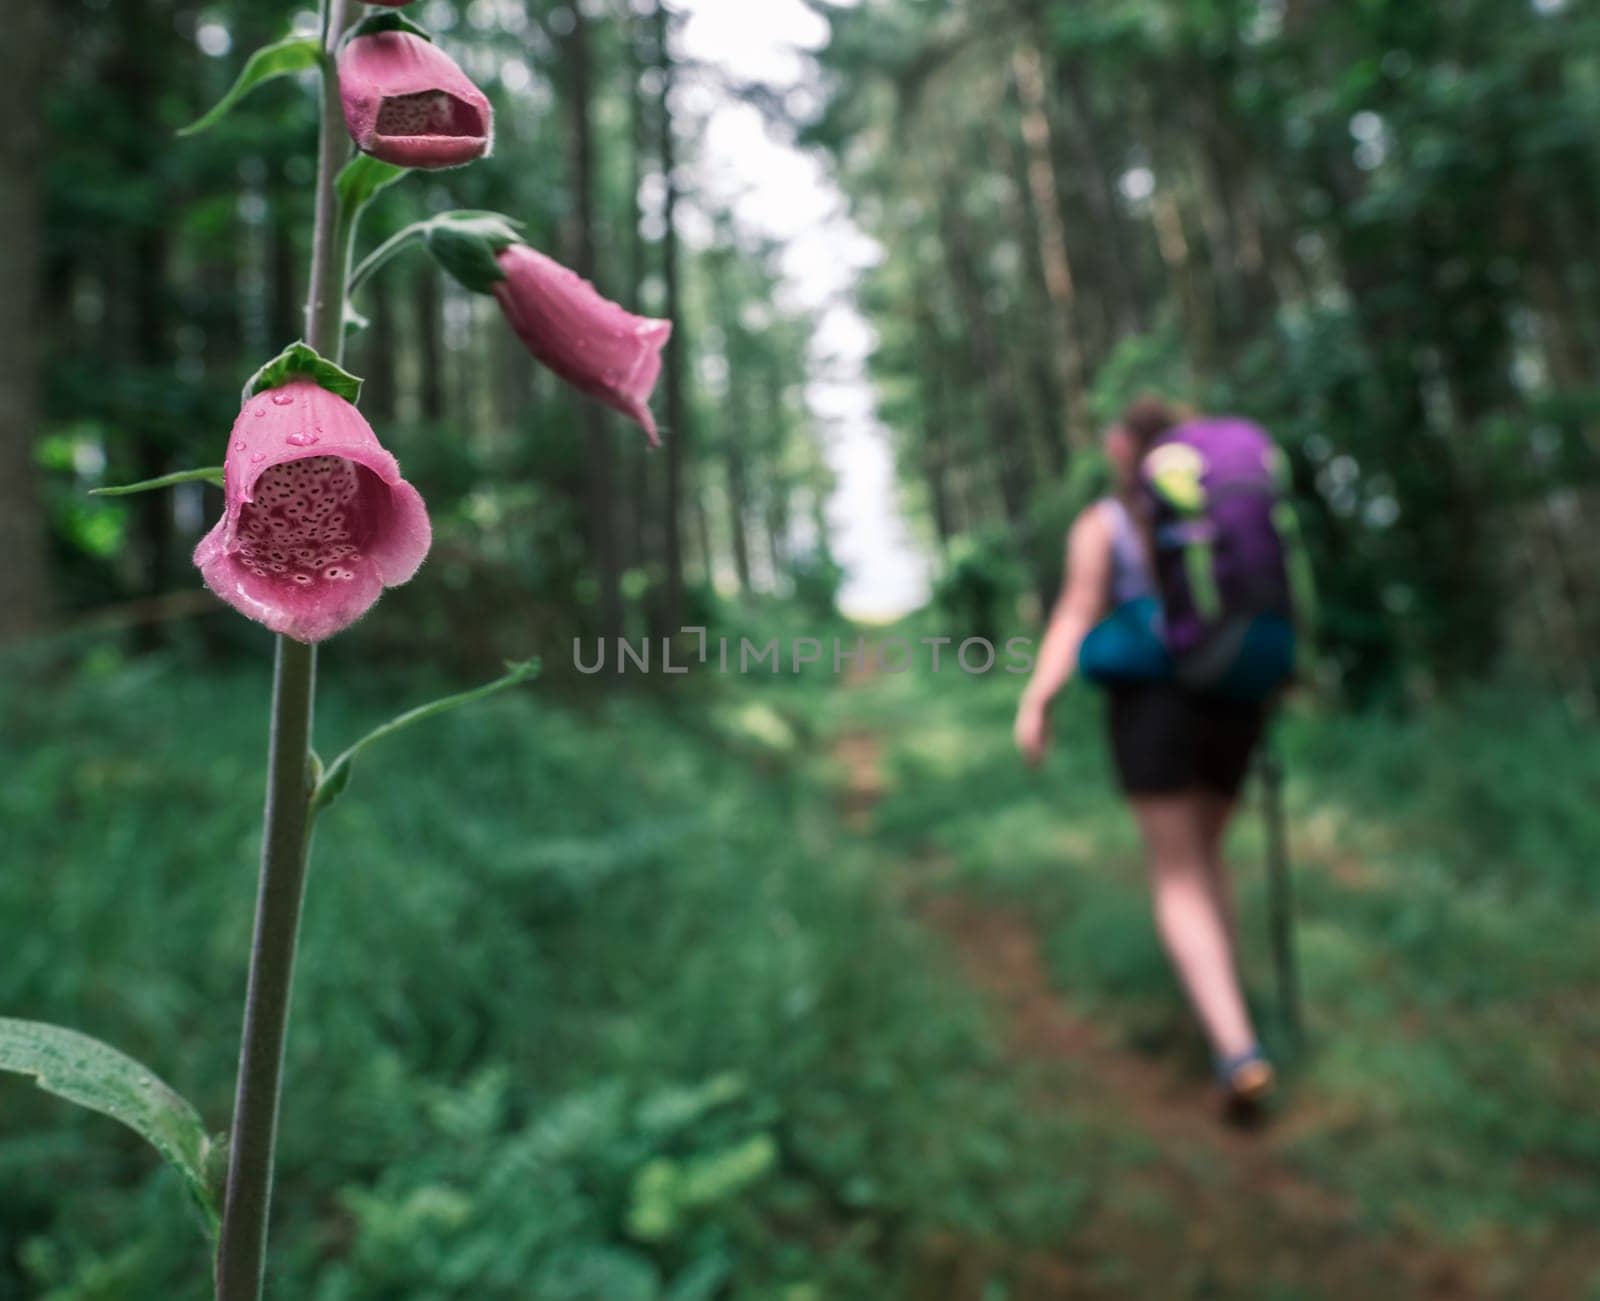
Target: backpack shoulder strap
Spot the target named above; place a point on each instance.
(1174, 473)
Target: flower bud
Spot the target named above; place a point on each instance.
(407, 103)
(596, 346)
(317, 520)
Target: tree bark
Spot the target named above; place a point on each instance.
(637, 497)
(777, 482)
(673, 372)
(1004, 418)
(737, 425)
(1028, 73)
(430, 346)
(24, 580)
(598, 491)
(1083, 135)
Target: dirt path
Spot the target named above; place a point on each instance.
(1213, 1212)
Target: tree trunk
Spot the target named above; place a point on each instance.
(777, 484)
(286, 300)
(1028, 73)
(24, 580)
(935, 459)
(673, 371)
(137, 72)
(378, 394)
(430, 346)
(1005, 420)
(598, 492)
(1083, 135)
(640, 464)
(736, 427)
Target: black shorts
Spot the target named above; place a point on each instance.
(1166, 740)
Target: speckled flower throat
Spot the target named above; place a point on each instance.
(431, 113)
(306, 524)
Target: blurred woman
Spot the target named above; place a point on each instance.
(1181, 758)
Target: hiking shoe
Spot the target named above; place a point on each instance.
(1248, 1083)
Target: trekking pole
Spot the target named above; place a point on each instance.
(1280, 898)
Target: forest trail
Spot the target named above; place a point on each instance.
(1208, 1211)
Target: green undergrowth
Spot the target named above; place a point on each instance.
(596, 1001)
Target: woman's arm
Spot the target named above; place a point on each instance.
(1080, 606)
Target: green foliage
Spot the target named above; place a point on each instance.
(94, 1075)
(280, 59)
(817, 578)
(363, 179)
(982, 578)
(595, 995)
(177, 270)
(333, 782)
(1344, 221)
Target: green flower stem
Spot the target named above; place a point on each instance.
(386, 250)
(330, 247)
(241, 1246)
(333, 781)
(242, 1243)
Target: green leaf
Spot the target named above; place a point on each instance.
(211, 474)
(337, 777)
(703, 1280)
(363, 179)
(596, 1273)
(387, 22)
(280, 59)
(666, 1190)
(94, 1075)
(302, 359)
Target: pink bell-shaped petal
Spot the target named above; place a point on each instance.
(317, 521)
(596, 346)
(407, 103)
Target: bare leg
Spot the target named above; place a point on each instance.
(1191, 922)
(1216, 812)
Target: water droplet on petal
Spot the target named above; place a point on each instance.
(238, 447)
(282, 398)
(258, 456)
(301, 439)
(261, 410)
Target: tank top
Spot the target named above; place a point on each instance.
(1130, 570)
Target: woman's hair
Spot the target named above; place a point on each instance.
(1146, 418)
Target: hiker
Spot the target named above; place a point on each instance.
(1181, 743)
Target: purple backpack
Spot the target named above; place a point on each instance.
(1228, 562)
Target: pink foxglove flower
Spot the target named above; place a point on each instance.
(318, 520)
(407, 103)
(596, 346)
